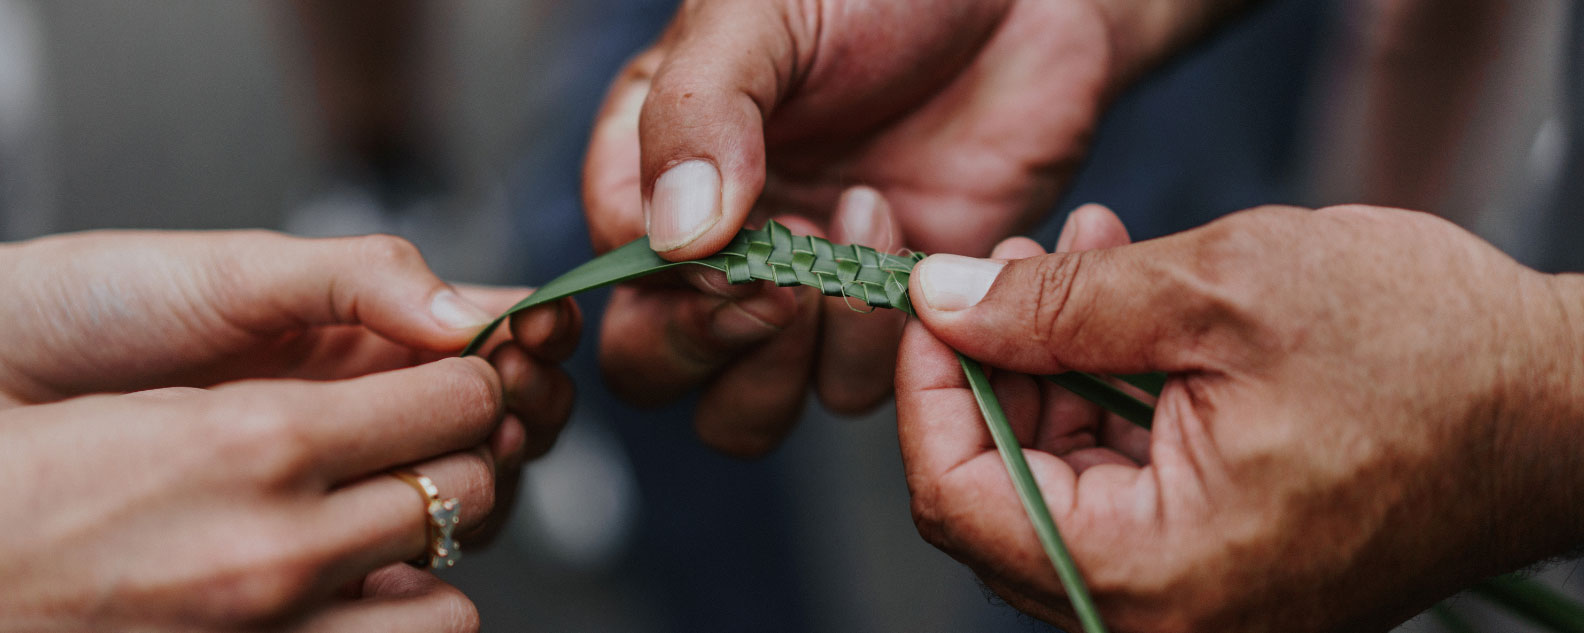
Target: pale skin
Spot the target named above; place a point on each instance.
(196, 427)
(1368, 410)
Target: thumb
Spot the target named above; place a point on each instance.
(701, 131)
(378, 281)
(1117, 310)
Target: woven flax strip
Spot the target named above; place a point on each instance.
(774, 254)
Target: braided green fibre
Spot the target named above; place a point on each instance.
(770, 254)
(774, 254)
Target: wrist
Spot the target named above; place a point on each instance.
(1553, 406)
(1143, 33)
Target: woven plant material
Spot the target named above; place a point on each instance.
(772, 254)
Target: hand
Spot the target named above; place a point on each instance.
(1368, 410)
(122, 311)
(253, 505)
(119, 311)
(966, 116)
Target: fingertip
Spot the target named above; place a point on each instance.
(472, 380)
(944, 283)
(452, 311)
(863, 216)
(1090, 227)
(549, 331)
(515, 368)
(508, 442)
(1017, 248)
(683, 209)
(701, 153)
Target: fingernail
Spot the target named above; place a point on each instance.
(954, 282)
(1069, 233)
(685, 203)
(861, 222)
(454, 312)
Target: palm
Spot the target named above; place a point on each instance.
(969, 151)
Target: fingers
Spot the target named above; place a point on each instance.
(549, 332)
(399, 599)
(612, 196)
(659, 342)
(539, 395)
(858, 344)
(349, 428)
(1119, 310)
(963, 501)
(378, 281)
(1079, 431)
(755, 402)
(938, 421)
(1091, 227)
(701, 131)
(382, 519)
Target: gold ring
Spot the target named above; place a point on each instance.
(443, 515)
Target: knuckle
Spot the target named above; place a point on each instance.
(275, 591)
(1055, 278)
(264, 582)
(389, 249)
(474, 385)
(265, 442)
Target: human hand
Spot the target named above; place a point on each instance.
(1368, 410)
(120, 311)
(966, 116)
(256, 504)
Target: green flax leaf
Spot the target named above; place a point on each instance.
(1029, 493)
(1095, 389)
(631, 261)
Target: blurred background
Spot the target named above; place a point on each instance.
(461, 125)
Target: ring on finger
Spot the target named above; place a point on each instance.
(440, 522)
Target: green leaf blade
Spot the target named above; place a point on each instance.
(1028, 492)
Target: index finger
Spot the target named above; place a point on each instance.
(612, 195)
(963, 498)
